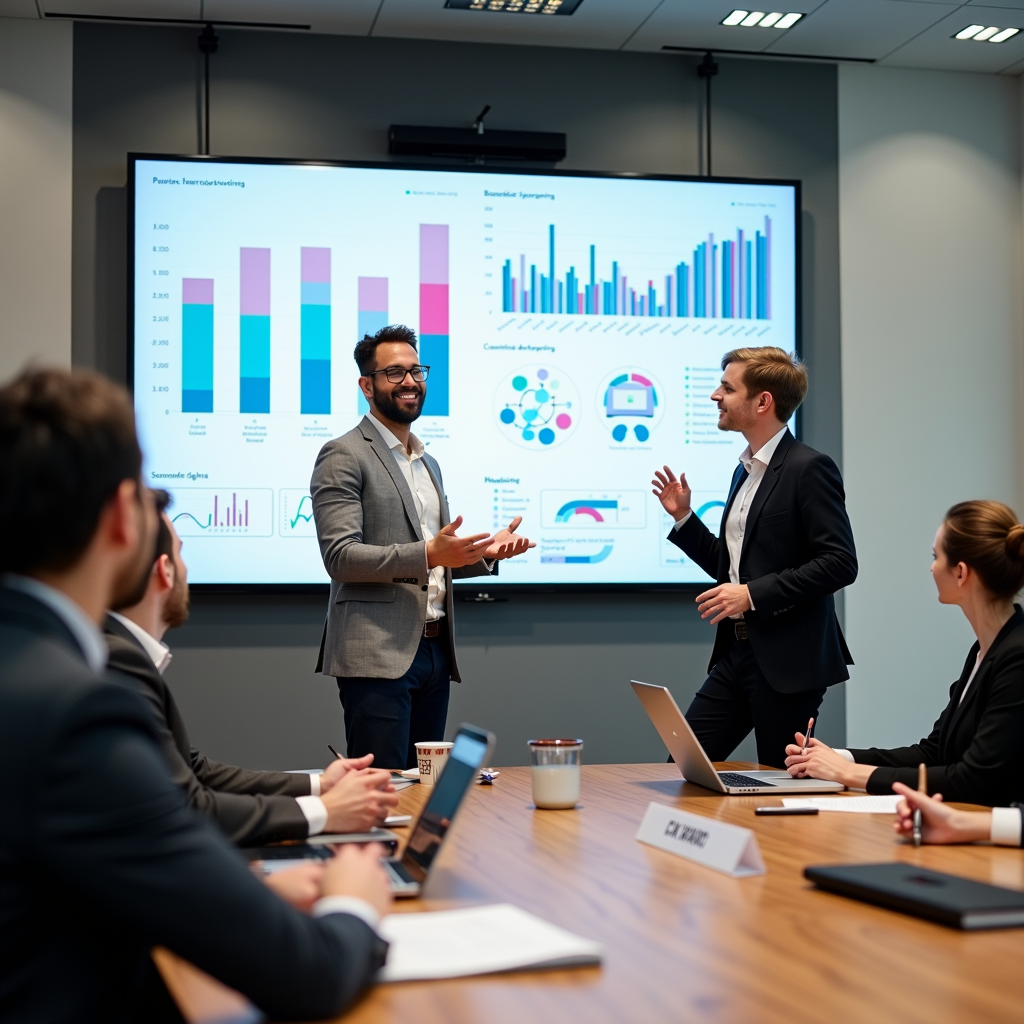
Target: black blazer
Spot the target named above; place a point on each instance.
(251, 808)
(975, 751)
(100, 860)
(797, 552)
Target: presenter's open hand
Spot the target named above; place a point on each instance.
(507, 543)
(940, 824)
(454, 552)
(299, 886)
(673, 494)
(361, 799)
(724, 600)
(356, 871)
(822, 762)
(339, 768)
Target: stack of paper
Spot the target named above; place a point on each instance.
(478, 940)
(849, 804)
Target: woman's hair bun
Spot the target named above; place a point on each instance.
(1015, 540)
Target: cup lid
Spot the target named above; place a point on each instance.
(555, 743)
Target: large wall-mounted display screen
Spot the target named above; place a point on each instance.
(574, 326)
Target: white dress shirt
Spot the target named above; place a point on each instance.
(428, 506)
(83, 629)
(755, 464)
(312, 807)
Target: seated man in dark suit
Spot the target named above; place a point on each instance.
(100, 857)
(250, 807)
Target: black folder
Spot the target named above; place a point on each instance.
(934, 895)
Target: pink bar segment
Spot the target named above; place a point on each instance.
(197, 291)
(433, 254)
(316, 265)
(433, 309)
(255, 282)
(373, 294)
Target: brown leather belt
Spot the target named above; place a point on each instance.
(432, 627)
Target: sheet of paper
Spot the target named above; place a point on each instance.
(846, 804)
(477, 940)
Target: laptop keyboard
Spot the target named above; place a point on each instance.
(734, 779)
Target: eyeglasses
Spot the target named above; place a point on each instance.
(396, 374)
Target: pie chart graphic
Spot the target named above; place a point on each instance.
(537, 407)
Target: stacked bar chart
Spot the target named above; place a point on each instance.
(434, 335)
(197, 344)
(315, 332)
(254, 331)
(731, 280)
(371, 315)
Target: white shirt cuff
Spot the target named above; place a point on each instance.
(315, 811)
(842, 752)
(1005, 826)
(679, 522)
(347, 905)
(314, 784)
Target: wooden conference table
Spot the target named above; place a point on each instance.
(684, 943)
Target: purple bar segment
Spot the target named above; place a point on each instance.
(197, 291)
(373, 295)
(433, 254)
(316, 265)
(255, 282)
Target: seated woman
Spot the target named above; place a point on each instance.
(942, 824)
(975, 752)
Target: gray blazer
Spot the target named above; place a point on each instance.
(372, 547)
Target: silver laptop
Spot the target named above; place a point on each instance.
(470, 752)
(694, 764)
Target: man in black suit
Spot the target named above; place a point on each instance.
(100, 858)
(250, 807)
(784, 549)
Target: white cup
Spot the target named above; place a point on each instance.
(555, 773)
(431, 758)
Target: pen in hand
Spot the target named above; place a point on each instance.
(807, 736)
(334, 752)
(922, 787)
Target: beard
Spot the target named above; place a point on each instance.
(131, 583)
(176, 605)
(388, 407)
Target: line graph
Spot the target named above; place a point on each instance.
(223, 512)
(296, 513)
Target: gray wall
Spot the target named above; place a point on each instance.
(532, 665)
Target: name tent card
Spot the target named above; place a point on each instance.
(714, 844)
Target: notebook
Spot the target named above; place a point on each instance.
(934, 895)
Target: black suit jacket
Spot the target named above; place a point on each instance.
(797, 552)
(975, 751)
(251, 808)
(100, 860)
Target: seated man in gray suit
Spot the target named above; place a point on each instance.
(389, 545)
(250, 807)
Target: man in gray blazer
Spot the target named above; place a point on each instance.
(389, 545)
(250, 807)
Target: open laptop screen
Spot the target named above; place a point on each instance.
(465, 760)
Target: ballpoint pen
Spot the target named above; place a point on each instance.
(922, 787)
(807, 735)
(334, 752)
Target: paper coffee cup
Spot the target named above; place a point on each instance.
(431, 758)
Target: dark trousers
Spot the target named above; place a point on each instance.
(736, 698)
(387, 717)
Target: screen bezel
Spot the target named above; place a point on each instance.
(463, 591)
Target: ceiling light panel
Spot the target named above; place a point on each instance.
(516, 6)
(981, 34)
(761, 19)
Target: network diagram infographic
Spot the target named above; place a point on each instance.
(573, 325)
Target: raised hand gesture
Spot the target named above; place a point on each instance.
(507, 543)
(673, 494)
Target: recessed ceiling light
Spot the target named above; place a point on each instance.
(969, 33)
(748, 19)
(985, 34)
(516, 6)
(1001, 37)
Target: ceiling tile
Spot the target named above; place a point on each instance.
(1018, 4)
(598, 24)
(697, 24)
(937, 48)
(18, 9)
(147, 9)
(864, 29)
(342, 17)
